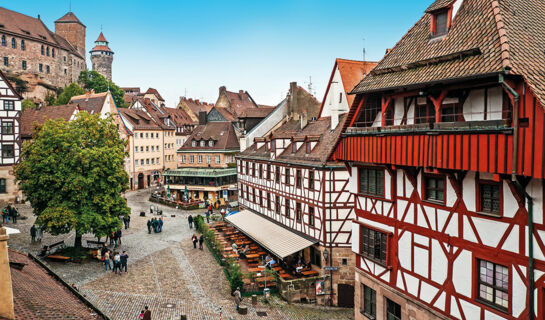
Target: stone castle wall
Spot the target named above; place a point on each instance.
(103, 65)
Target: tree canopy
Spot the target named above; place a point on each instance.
(69, 91)
(72, 173)
(96, 81)
(27, 103)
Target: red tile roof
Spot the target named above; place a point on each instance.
(101, 38)
(33, 116)
(156, 93)
(90, 102)
(38, 295)
(195, 105)
(69, 17)
(180, 117)
(222, 133)
(485, 37)
(101, 48)
(139, 119)
(260, 112)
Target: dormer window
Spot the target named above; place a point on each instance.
(440, 23)
(193, 143)
(210, 143)
(203, 143)
(308, 146)
(293, 147)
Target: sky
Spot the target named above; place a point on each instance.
(191, 48)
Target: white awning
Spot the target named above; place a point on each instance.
(275, 238)
(11, 230)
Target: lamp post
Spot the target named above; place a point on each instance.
(326, 258)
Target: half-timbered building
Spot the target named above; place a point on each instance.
(287, 178)
(10, 115)
(445, 145)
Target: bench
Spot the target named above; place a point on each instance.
(98, 244)
(49, 249)
(58, 258)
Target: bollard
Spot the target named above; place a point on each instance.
(142, 214)
(254, 300)
(243, 310)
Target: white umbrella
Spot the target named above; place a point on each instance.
(11, 231)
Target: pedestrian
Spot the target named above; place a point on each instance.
(207, 216)
(111, 236)
(210, 208)
(195, 240)
(124, 257)
(5, 218)
(154, 224)
(33, 233)
(141, 315)
(117, 263)
(106, 258)
(39, 234)
(190, 220)
(238, 297)
(160, 224)
(127, 221)
(13, 214)
(201, 240)
(149, 226)
(114, 237)
(147, 313)
(119, 234)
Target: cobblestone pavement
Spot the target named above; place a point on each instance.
(165, 273)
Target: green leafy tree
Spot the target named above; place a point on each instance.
(49, 99)
(72, 174)
(69, 91)
(96, 81)
(28, 104)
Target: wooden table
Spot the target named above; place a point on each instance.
(310, 273)
(262, 279)
(258, 269)
(252, 256)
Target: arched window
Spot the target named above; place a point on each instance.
(3, 41)
(2, 185)
(53, 52)
(43, 50)
(47, 51)
(13, 43)
(23, 45)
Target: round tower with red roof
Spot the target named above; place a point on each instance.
(102, 57)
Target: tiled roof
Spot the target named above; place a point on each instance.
(222, 133)
(180, 117)
(240, 101)
(139, 119)
(69, 17)
(33, 28)
(226, 113)
(156, 93)
(38, 295)
(32, 116)
(101, 38)
(101, 48)
(485, 37)
(90, 102)
(315, 130)
(260, 112)
(439, 4)
(195, 105)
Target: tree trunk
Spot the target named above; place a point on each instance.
(77, 242)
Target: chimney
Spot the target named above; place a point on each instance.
(202, 117)
(222, 89)
(303, 119)
(6, 291)
(240, 92)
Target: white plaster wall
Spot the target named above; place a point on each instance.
(398, 110)
(462, 273)
(332, 98)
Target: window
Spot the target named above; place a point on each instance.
(147, 148)
(199, 158)
(340, 97)
(311, 180)
(373, 245)
(298, 178)
(211, 143)
(147, 135)
(46, 69)
(183, 158)
(47, 51)
(136, 163)
(135, 149)
(268, 172)
(217, 159)
(53, 52)
(369, 302)
(260, 198)
(63, 58)
(2, 185)
(192, 159)
(260, 171)
(9, 105)
(7, 127)
(147, 161)
(298, 212)
(152, 161)
(6, 61)
(253, 195)
(277, 174)
(393, 310)
(307, 146)
(268, 201)
(8, 151)
(208, 159)
(142, 135)
(372, 181)
(41, 67)
(252, 168)
(242, 192)
(203, 143)
(440, 26)
(193, 143)
(287, 208)
(141, 149)
(23, 45)
(434, 188)
(489, 198)
(42, 51)
(311, 216)
(315, 257)
(493, 281)
(23, 65)
(287, 181)
(156, 135)
(424, 112)
(3, 41)
(277, 204)
(13, 43)
(293, 147)
(141, 162)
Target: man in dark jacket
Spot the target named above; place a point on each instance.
(190, 220)
(149, 226)
(147, 313)
(33, 233)
(124, 257)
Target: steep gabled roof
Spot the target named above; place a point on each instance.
(222, 133)
(180, 117)
(34, 116)
(69, 17)
(195, 105)
(485, 37)
(139, 119)
(90, 102)
(156, 93)
(101, 38)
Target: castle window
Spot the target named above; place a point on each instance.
(2, 185)
(47, 51)
(13, 43)
(6, 61)
(23, 64)
(41, 67)
(53, 52)
(42, 50)
(23, 45)
(65, 73)
(63, 58)
(3, 41)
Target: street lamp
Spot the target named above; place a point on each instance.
(326, 255)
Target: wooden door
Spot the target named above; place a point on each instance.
(345, 295)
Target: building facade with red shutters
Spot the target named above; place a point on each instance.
(445, 146)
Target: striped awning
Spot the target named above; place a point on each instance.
(275, 238)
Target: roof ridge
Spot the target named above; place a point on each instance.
(502, 32)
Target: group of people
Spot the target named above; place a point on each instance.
(145, 314)
(155, 224)
(196, 239)
(115, 238)
(118, 260)
(9, 213)
(36, 234)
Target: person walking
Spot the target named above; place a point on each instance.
(106, 257)
(207, 216)
(154, 224)
(160, 224)
(33, 233)
(39, 234)
(119, 235)
(195, 240)
(190, 220)
(117, 263)
(141, 315)
(149, 226)
(238, 297)
(13, 213)
(147, 313)
(124, 257)
(201, 240)
(5, 218)
(114, 237)
(127, 221)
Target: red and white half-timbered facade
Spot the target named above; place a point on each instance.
(10, 115)
(445, 145)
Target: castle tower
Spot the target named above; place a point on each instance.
(102, 57)
(70, 28)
